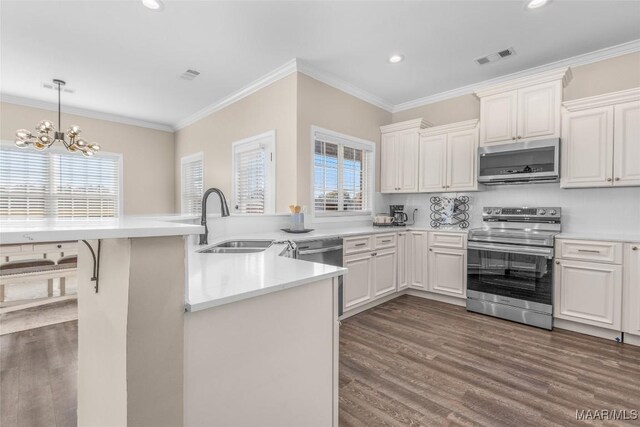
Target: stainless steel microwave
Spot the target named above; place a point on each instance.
(520, 162)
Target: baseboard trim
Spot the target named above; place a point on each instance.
(369, 305)
(37, 303)
(595, 331)
(462, 302)
(631, 339)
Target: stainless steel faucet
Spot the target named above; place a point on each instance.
(224, 209)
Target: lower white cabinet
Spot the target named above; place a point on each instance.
(588, 292)
(447, 271)
(631, 289)
(418, 260)
(403, 260)
(372, 271)
(356, 283)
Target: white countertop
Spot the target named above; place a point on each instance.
(609, 237)
(218, 279)
(56, 230)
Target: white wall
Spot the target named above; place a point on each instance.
(592, 210)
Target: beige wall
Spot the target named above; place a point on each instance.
(273, 107)
(324, 106)
(610, 75)
(147, 190)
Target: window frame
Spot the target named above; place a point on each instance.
(270, 172)
(51, 196)
(187, 159)
(358, 143)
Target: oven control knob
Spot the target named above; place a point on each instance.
(488, 211)
(552, 212)
(497, 211)
(541, 211)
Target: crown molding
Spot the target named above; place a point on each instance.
(271, 77)
(92, 114)
(343, 86)
(415, 124)
(612, 98)
(451, 127)
(575, 61)
(562, 74)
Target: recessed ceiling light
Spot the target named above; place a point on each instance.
(534, 4)
(152, 4)
(394, 59)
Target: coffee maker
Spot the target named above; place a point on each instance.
(399, 216)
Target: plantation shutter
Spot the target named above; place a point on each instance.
(58, 184)
(86, 187)
(192, 184)
(250, 167)
(24, 184)
(326, 176)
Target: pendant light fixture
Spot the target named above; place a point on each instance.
(46, 134)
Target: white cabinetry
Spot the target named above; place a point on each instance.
(399, 159)
(403, 260)
(372, 265)
(631, 289)
(601, 141)
(448, 158)
(522, 109)
(418, 260)
(447, 263)
(588, 283)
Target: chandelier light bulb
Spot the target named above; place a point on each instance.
(45, 139)
(73, 131)
(94, 147)
(81, 143)
(22, 143)
(87, 153)
(45, 126)
(23, 134)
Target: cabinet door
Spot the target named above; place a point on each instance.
(498, 118)
(539, 111)
(631, 289)
(587, 148)
(388, 164)
(407, 161)
(462, 149)
(384, 276)
(418, 253)
(433, 161)
(448, 272)
(403, 244)
(626, 144)
(357, 281)
(589, 292)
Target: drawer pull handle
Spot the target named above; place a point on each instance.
(558, 262)
(592, 251)
(360, 244)
(386, 241)
(634, 248)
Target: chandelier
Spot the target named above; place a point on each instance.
(46, 135)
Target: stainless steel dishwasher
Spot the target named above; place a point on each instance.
(323, 251)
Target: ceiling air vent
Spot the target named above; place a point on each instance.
(495, 56)
(189, 74)
(51, 86)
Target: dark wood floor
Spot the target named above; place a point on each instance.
(38, 372)
(409, 361)
(415, 362)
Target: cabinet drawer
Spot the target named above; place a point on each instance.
(385, 241)
(354, 245)
(55, 247)
(587, 250)
(444, 239)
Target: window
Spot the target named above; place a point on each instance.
(342, 174)
(254, 166)
(192, 181)
(56, 183)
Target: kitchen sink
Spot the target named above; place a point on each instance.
(214, 250)
(238, 247)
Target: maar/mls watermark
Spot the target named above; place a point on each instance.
(606, 414)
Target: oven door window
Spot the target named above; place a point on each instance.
(527, 277)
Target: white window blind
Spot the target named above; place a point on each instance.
(254, 174)
(343, 174)
(58, 184)
(192, 184)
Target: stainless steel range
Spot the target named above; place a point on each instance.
(510, 264)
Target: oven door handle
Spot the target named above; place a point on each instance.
(546, 252)
(319, 251)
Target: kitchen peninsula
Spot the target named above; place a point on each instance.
(143, 361)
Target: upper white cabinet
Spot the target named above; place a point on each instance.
(399, 158)
(601, 141)
(522, 109)
(448, 157)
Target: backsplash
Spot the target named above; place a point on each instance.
(600, 210)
